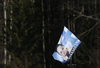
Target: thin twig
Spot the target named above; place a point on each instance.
(89, 30)
(81, 14)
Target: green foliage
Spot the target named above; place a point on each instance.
(25, 46)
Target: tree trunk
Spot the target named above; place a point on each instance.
(26, 61)
(5, 23)
(43, 35)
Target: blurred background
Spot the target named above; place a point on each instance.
(30, 30)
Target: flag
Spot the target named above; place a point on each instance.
(69, 44)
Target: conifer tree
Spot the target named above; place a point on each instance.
(25, 47)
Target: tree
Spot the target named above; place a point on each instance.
(82, 18)
(25, 47)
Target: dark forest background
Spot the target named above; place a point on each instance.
(30, 30)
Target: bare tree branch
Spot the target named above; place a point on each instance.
(88, 31)
(80, 14)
